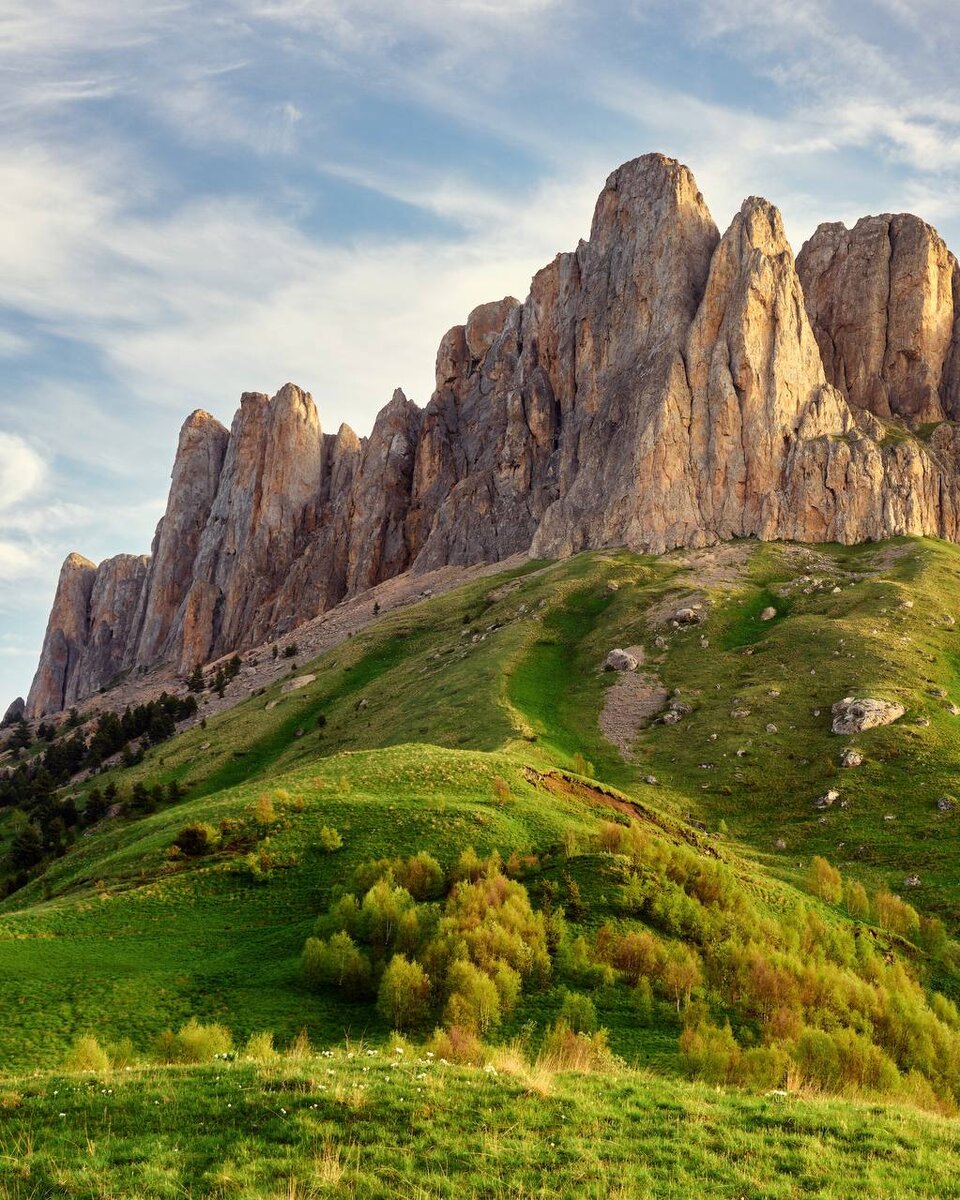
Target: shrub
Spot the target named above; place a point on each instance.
(858, 905)
(474, 1002)
(382, 913)
(337, 963)
(564, 1050)
(711, 1053)
(121, 1054)
(637, 954)
(824, 881)
(458, 1045)
(197, 840)
(194, 1043)
(681, 973)
(579, 1012)
(259, 1047)
(404, 994)
(611, 837)
(86, 1054)
(894, 914)
(643, 1002)
(421, 875)
(263, 812)
(330, 840)
(469, 866)
(501, 789)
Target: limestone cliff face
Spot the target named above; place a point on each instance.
(660, 386)
(884, 299)
(91, 627)
(193, 489)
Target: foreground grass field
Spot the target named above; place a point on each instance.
(383, 1125)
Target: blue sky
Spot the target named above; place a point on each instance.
(198, 199)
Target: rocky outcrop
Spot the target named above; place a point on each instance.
(660, 386)
(883, 299)
(193, 489)
(90, 630)
(851, 715)
(15, 712)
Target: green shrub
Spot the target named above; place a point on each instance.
(122, 1054)
(565, 1050)
(337, 963)
(824, 881)
(330, 840)
(259, 1047)
(193, 1043)
(197, 839)
(710, 1052)
(473, 1001)
(579, 1012)
(86, 1054)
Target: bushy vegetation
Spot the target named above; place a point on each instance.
(464, 959)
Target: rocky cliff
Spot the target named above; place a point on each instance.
(660, 386)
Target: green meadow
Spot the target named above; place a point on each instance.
(716, 1014)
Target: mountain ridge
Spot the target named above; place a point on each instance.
(660, 387)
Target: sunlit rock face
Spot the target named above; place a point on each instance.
(661, 386)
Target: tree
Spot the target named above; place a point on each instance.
(21, 739)
(474, 1002)
(337, 963)
(195, 679)
(96, 805)
(140, 798)
(26, 844)
(824, 881)
(681, 974)
(219, 682)
(404, 994)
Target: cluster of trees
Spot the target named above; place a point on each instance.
(464, 957)
(31, 783)
(49, 826)
(764, 996)
(224, 674)
(774, 996)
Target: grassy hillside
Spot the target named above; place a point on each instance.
(472, 721)
(354, 1125)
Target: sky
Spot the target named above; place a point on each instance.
(203, 198)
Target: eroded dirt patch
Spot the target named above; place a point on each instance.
(631, 703)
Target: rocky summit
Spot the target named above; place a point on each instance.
(661, 386)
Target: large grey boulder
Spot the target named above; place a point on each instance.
(620, 660)
(852, 715)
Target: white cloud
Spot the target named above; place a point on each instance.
(22, 471)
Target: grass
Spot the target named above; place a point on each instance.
(422, 712)
(354, 1125)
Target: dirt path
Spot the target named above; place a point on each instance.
(629, 704)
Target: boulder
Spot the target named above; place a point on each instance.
(620, 660)
(768, 613)
(852, 715)
(14, 712)
(301, 681)
(851, 757)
